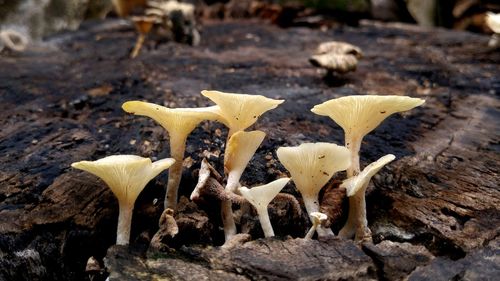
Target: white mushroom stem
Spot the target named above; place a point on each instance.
(124, 224)
(317, 218)
(228, 219)
(177, 149)
(265, 222)
(357, 223)
(311, 203)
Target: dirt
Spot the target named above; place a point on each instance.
(62, 104)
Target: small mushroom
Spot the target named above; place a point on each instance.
(240, 111)
(493, 22)
(240, 149)
(143, 24)
(126, 176)
(311, 166)
(339, 57)
(358, 116)
(356, 221)
(179, 122)
(317, 219)
(260, 197)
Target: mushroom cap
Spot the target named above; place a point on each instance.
(318, 217)
(493, 21)
(339, 48)
(313, 164)
(359, 115)
(356, 183)
(180, 121)
(261, 196)
(126, 175)
(341, 63)
(144, 23)
(240, 149)
(240, 111)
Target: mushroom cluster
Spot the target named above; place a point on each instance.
(311, 165)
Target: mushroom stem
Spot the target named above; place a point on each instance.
(228, 219)
(138, 45)
(233, 182)
(354, 145)
(312, 205)
(177, 148)
(124, 223)
(357, 224)
(265, 222)
(311, 231)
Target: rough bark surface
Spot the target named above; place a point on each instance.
(62, 104)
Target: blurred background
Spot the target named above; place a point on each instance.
(39, 18)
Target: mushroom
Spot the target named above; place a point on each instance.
(126, 176)
(143, 25)
(240, 111)
(317, 218)
(359, 115)
(240, 149)
(179, 122)
(336, 56)
(311, 166)
(493, 22)
(356, 221)
(260, 197)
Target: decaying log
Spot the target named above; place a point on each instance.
(440, 195)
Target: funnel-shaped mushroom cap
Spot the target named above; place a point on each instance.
(493, 21)
(175, 120)
(126, 175)
(313, 164)
(317, 217)
(240, 111)
(356, 183)
(240, 149)
(144, 23)
(359, 115)
(261, 196)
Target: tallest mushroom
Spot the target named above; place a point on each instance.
(358, 116)
(238, 112)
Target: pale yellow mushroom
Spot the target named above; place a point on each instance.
(179, 122)
(317, 219)
(240, 149)
(311, 166)
(260, 197)
(240, 111)
(126, 176)
(357, 185)
(358, 116)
